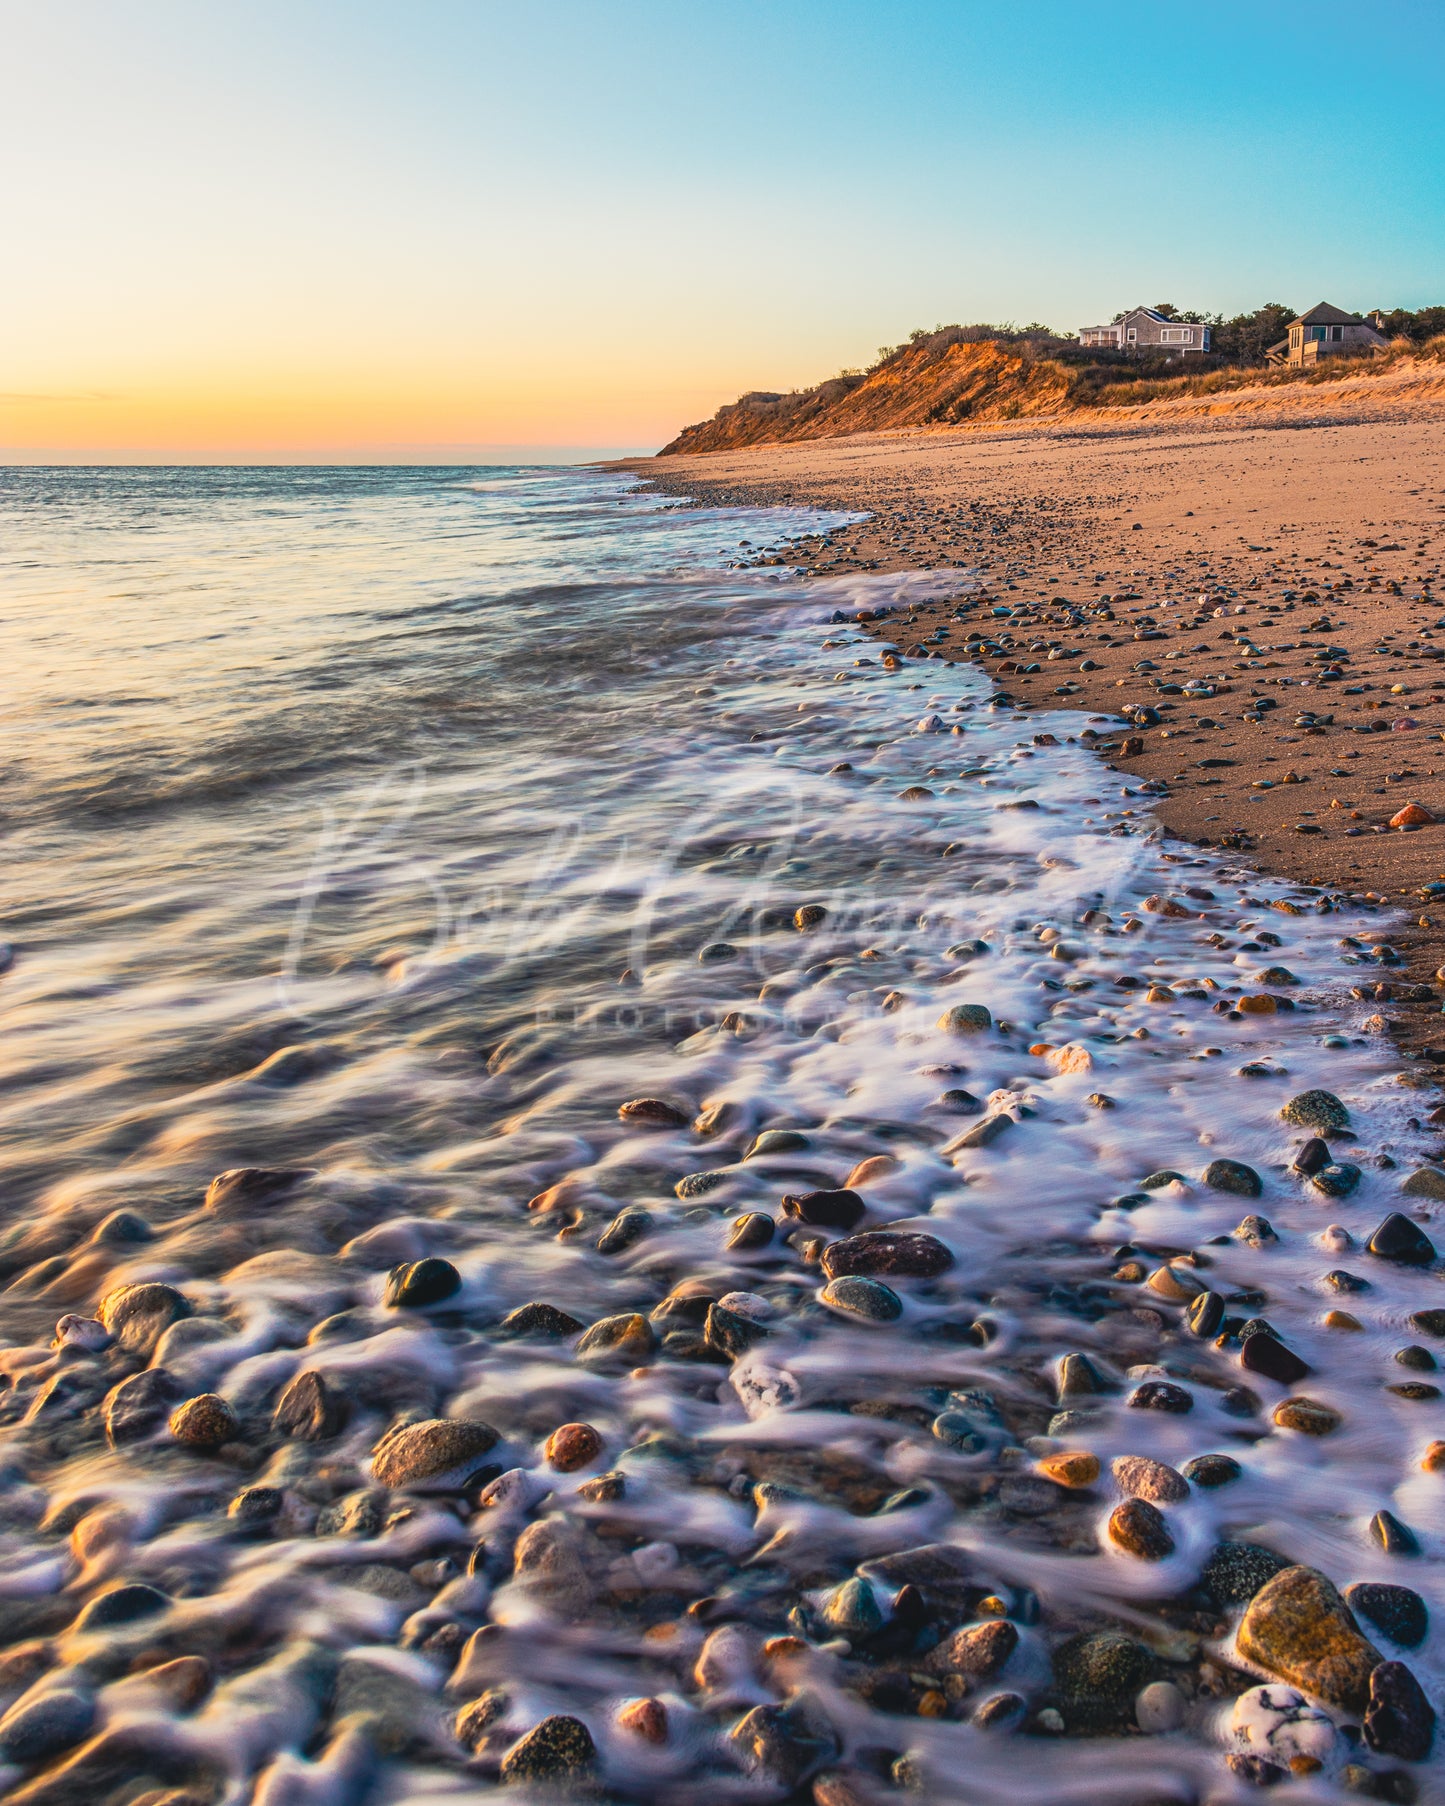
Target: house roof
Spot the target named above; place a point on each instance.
(1322, 314)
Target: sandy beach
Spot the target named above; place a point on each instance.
(1270, 546)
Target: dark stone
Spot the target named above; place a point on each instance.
(244, 1189)
(1255, 1771)
(1098, 1675)
(1400, 1240)
(730, 1332)
(37, 1728)
(310, 1409)
(1338, 1280)
(140, 1405)
(1337, 1179)
(1001, 1712)
(1233, 1176)
(1399, 1720)
(754, 1229)
(1161, 1395)
(1418, 1359)
(625, 1230)
(1205, 1314)
(256, 1506)
(1311, 1157)
(558, 1749)
(887, 1252)
(1399, 1612)
(843, 1210)
(424, 1282)
(1268, 1355)
(123, 1229)
(1210, 1471)
(626, 1337)
(121, 1605)
(1430, 1322)
(540, 1320)
(652, 1113)
(1393, 1537)
(1079, 1378)
(204, 1422)
(1235, 1572)
(777, 1742)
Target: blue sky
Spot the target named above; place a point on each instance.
(320, 225)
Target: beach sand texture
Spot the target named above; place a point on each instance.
(1256, 544)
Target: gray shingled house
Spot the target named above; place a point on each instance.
(1146, 329)
(1325, 331)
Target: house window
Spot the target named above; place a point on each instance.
(1133, 332)
(1317, 333)
(1337, 333)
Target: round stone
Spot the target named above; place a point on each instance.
(1142, 1478)
(204, 1422)
(1159, 1708)
(1210, 1471)
(1233, 1176)
(1398, 1613)
(560, 1748)
(1308, 1416)
(1235, 1572)
(1139, 1529)
(966, 1019)
(573, 1446)
(754, 1229)
(894, 1253)
(43, 1725)
(869, 1299)
(421, 1283)
(1098, 1676)
(1299, 1629)
(1321, 1111)
(1161, 1395)
(433, 1451)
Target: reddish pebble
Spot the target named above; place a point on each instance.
(645, 1718)
(574, 1445)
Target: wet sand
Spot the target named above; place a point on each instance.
(1292, 555)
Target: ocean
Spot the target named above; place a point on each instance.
(578, 1151)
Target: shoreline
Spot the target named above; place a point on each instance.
(1296, 559)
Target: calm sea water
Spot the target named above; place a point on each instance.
(397, 827)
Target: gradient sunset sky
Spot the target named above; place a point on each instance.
(434, 229)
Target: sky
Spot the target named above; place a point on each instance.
(437, 230)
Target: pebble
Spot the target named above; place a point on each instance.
(852, 1610)
(1396, 1612)
(754, 1229)
(573, 1446)
(1268, 1355)
(241, 1191)
(431, 1451)
(1233, 1176)
(1398, 1239)
(869, 1299)
(1143, 1478)
(1280, 1725)
(1078, 1377)
(895, 1253)
(421, 1283)
(310, 1409)
(966, 1019)
(43, 1725)
(1139, 1529)
(139, 1405)
(977, 1652)
(1255, 1232)
(1159, 1708)
(204, 1422)
(625, 1230)
(1098, 1675)
(1235, 1572)
(825, 1209)
(1336, 1179)
(1070, 1467)
(627, 1338)
(120, 1605)
(1298, 1627)
(1210, 1471)
(1161, 1395)
(1321, 1111)
(1308, 1416)
(1392, 1536)
(540, 1320)
(776, 1141)
(560, 1748)
(138, 1316)
(644, 1718)
(1399, 1719)
(652, 1113)
(1205, 1314)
